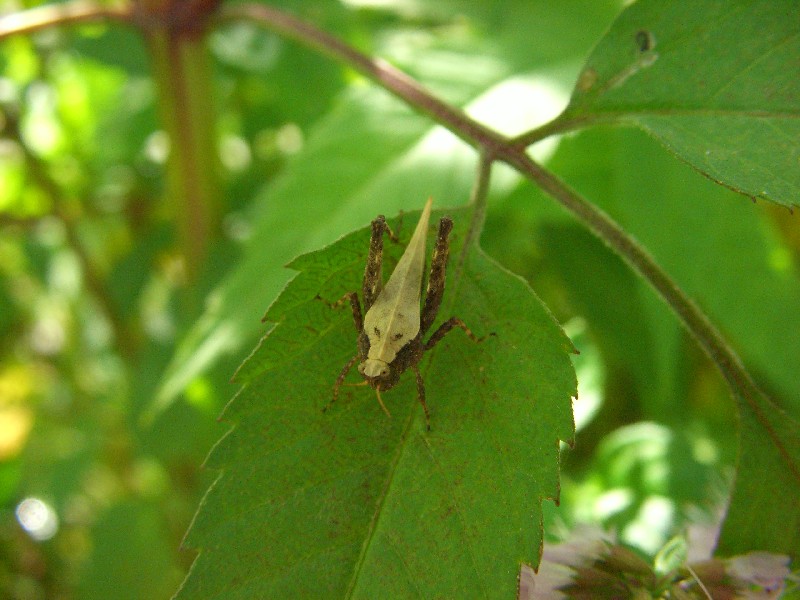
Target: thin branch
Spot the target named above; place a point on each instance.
(478, 199)
(561, 124)
(392, 79)
(181, 69)
(68, 13)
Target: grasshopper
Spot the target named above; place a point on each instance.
(390, 333)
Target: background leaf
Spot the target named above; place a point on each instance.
(352, 502)
(130, 543)
(715, 81)
(767, 483)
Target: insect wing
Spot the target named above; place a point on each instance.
(394, 318)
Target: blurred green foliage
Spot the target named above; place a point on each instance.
(114, 369)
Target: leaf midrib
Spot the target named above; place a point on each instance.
(401, 446)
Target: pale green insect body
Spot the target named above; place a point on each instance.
(394, 319)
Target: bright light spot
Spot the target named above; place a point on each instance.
(289, 139)
(590, 394)
(705, 451)
(149, 478)
(118, 182)
(780, 259)
(652, 525)
(381, 4)
(37, 519)
(39, 127)
(156, 147)
(15, 424)
(50, 232)
(200, 393)
(155, 311)
(47, 336)
(246, 46)
(438, 141)
(589, 370)
(237, 227)
(9, 92)
(139, 93)
(64, 275)
(234, 153)
(612, 502)
(575, 327)
(515, 105)
(590, 373)
(520, 104)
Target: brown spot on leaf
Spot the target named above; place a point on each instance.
(645, 40)
(587, 79)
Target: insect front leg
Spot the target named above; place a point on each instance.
(436, 278)
(373, 273)
(340, 380)
(421, 396)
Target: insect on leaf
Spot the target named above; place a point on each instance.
(394, 319)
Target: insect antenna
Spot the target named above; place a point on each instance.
(380, 401)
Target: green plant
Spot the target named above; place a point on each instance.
(146, 325)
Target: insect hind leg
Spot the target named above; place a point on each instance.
(445, 328)
(421, 396)
(438, 272)
(373, 272)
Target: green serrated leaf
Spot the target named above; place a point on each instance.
(714, 80)
(350, 503)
